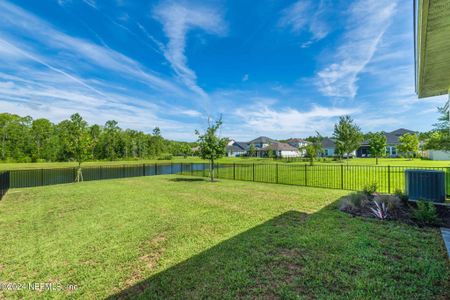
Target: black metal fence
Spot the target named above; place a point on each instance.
(347, 177)
(4, 183)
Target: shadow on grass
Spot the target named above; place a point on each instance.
(328, 254)
(184, 179)
(253, 262)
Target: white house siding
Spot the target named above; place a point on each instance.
(438, 154)
(289, 154)
(235, 154)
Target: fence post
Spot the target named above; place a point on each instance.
(192, 169)
(276, 172)
(306, 175)
(143, 169)
(156, 169)
(101, 172)
(389, 179)
(42, 177)
(234, 171)
(253, 171)
(342, 177)
(171, 167)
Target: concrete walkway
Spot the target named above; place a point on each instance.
(446, 236)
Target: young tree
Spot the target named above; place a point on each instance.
(377, 145)
(252, 151)
(439, 138)
(409, 144)
(348, 136)
(313, 148)
(79, 142)
(211, 145)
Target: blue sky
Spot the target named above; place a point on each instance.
(276, 68)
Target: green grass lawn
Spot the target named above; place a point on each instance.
(181, 237)
(355, 161)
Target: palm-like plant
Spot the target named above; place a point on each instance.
(380, 210)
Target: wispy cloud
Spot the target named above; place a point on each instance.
(85, 53)
(367, 22)
(264, 118)
(306, 15)
(177, 20)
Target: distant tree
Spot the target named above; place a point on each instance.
(439, 137)
(348, 136)
(41, 133)
(185, 149)
(313, 148)
(211, 145)
(377, 145)
(79, 142)
(252, 150)
(408, 144)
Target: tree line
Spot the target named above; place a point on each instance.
(24, 139)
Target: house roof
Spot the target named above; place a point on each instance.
(296, 140)
(280, 147)
(392, 137)
(237, 147)
(328, 143)
(262, 140)
(432, 44)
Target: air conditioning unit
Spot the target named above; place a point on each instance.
(428, 185)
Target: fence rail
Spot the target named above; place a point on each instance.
(347, 177)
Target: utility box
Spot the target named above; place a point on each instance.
(428, 185)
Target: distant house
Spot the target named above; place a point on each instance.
(329, 147)
(262, 146)
(280, 150)
(391, 141)
(236, 149)
(261, 142)
(299, 144)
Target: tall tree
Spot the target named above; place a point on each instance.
(409, 144)
(313, 148)
(79, 142)
(42, 132)
(348, 136)
(211, 145)
(111, 139)
(377, 144)
(252, 151)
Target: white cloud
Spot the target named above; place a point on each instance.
(263, 119)
(306, 15)
(367, 22)
(177, 20)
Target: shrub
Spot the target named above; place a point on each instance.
(425, 213)
(354, 200)
(165, 157)
(370, 189)
(401, 195)
(380, 210)
(392, 202)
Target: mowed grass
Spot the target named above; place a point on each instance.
(347, 177)
(237, 160)
(169, 237)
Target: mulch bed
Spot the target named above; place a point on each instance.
(404, 214)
